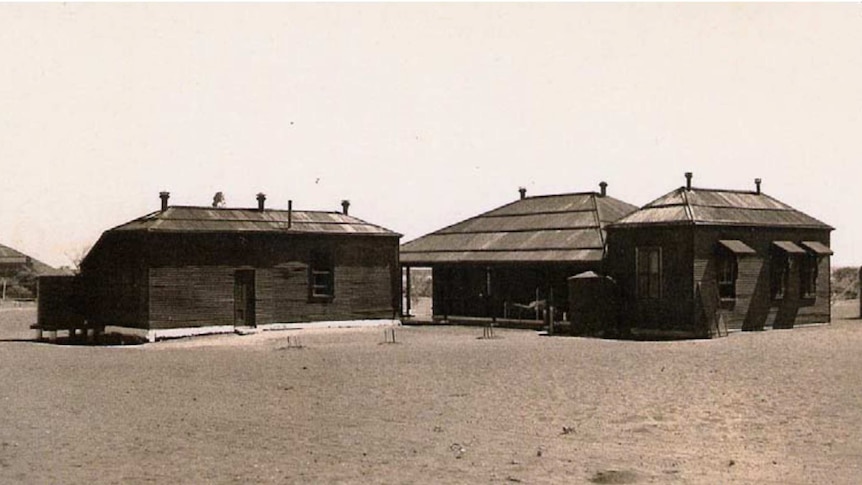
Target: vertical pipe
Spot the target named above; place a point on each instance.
(164, 196)
(289, 213)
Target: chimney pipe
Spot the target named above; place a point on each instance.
(604, 187)
(688, 176)
(757, 184)
(523, 192)
(164, 196)
(289, 213)
(261, 201)
(345, 207)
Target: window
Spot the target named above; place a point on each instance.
(808, 276)
(321, 277)
(727, 272)
(779, 274)
(649, 273)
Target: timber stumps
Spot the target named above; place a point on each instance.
(83, 336)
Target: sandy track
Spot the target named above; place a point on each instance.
(441, 406)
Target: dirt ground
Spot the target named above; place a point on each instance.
(439, 406)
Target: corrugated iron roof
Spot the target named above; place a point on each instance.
(550, 228)
(719, 207)
(208, 219)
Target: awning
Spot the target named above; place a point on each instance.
(817, 248)
(737, 247)
(789, 247)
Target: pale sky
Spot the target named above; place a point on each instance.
(421, 115)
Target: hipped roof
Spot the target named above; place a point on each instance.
(697, 206)
(12, 257)
(185, 219)
(550, 228)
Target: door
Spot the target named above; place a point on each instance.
(243, 298)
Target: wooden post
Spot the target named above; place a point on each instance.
(4, 289)
(409, 284)
(445, 290)
(537, 304)
(551, 310)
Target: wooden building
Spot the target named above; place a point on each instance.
(513, 261)
(188, 270)
(698, 262)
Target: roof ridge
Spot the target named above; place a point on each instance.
(689, 212)
(253, 209)
(599, 221)
(560, 195)
(735, 191)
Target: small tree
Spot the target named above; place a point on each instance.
(77, 255)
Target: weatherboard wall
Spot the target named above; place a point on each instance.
(754, 307)
(175, 280)
(673, 310)
(689, 300)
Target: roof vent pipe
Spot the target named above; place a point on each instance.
(604, 188)
(757, 184)
(289, 213)
(345, 207)
(688, 176)
(261, 201)
(164, 196)
(523, 192)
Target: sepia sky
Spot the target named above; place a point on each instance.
(421, 115)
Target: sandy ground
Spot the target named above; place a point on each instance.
(439, 406)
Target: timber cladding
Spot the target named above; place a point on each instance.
(176, 280)
(671, 308)
(755, 306)
(690, 298)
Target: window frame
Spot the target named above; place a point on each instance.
(808, 272)
(726, 274)
(321, 276)
(780, 264)
(646, 278)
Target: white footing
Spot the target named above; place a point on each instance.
(168, 333)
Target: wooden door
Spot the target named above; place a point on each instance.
(243, 297)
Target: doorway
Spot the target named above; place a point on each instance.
(243, 298)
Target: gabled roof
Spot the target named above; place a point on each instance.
(184, 219)
(550, 228)
(697, 206)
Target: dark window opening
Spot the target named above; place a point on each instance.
(808, 276)
(321, 277)
(649, 273)
(727, 273)
(779, 268)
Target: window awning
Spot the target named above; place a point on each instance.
(817, 248)
(789, 247)
(737, 247)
